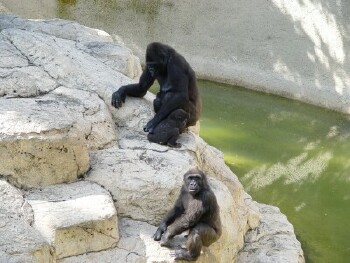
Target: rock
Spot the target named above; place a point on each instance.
(145, 178)
(115, 56)
(39, 142)
(136, 236)
(75, 218)
(142, 182)
(59, 28)
(272, 241)
(19, 241)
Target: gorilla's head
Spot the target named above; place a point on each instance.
(195, 181)
(180, 118)
(157, 56)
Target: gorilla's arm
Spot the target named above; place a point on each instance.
(169, 218)
(193, 215)
(133, 90)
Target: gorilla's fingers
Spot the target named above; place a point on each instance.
(158, 235)
(118, 97)
(149, 127)
(115, 100)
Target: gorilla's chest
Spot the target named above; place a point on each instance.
(165, 86)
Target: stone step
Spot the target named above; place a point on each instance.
(75, 218)
(19, 241)
(136, 244)
(39, 145)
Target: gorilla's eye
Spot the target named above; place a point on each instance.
(152, 68)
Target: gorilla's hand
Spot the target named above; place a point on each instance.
(149, 126)
(158, 234)
(118, 98)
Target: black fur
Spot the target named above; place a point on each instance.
(178, 85)
(169, 129)
(196, 210)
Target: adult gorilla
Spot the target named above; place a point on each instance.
(178, 87)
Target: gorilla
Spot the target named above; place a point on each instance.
(169, 129)
(196, 210)
(178, 86)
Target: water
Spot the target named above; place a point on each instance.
(289, 154)
(286, 153)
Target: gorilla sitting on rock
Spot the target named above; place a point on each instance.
(196, 210)
(178, 86)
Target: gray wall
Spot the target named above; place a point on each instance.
(295, 48)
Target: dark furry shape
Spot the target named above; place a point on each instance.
(178, 85)
(169, 129)
(196, 210)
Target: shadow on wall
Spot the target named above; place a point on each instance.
(297, 49)
(324, 55)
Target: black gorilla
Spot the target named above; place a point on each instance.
(178, 87)
(197, 210)
(169, 129)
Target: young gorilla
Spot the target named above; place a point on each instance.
(168, 130)
(178, 86)
(196, 210)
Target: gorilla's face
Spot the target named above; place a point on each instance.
(156, 59)
(194, 183)
(153, 68)
(181, 118)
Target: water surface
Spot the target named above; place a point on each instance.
(289, 154)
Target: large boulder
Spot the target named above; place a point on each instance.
(75, 218)
(57, 126)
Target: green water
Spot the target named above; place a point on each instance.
(288, 154)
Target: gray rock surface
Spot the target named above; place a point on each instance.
(19, 241)
(75, 218)
(57, 126)
(272, 241)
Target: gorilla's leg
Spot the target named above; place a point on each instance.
(156, 138)
(174, 134)
(200, 235)
(157, 103)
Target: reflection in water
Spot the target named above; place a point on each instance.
(296, 170)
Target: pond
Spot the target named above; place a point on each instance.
(286, 153)
(289, 154)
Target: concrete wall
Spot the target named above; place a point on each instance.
(295, 48)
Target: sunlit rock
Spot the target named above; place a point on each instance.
(19, 241)
(75, 218)
(272, 241)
